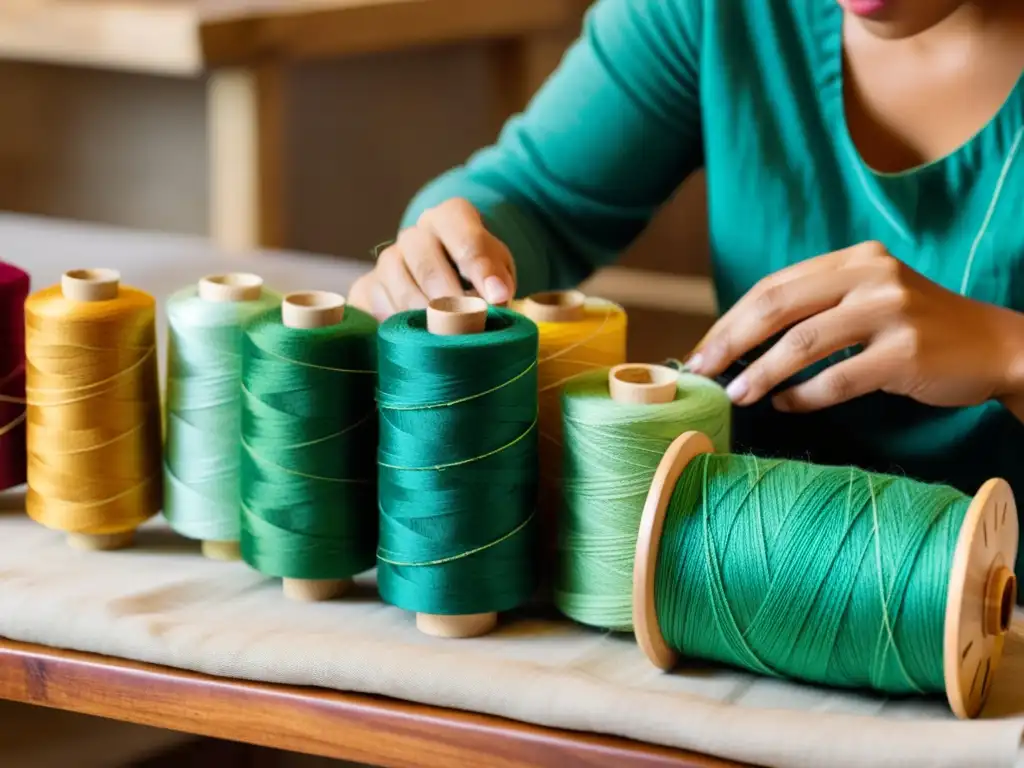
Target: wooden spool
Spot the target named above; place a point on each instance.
(94, 285)
(456, 316)
(981, 593)
(308, 310)
(555, 307)
(231, 287)
(643, 384)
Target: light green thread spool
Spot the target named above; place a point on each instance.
(618, 423)
(830, 575)
(203, 411)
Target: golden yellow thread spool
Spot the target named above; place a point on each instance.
(577, 334)
(93, 416)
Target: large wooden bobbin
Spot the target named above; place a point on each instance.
(88, 285)
(456, 316)
(233, 287)
(981, 594)
(307, 310)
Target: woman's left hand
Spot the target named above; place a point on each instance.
(919, 339)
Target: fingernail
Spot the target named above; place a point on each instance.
(737, 390)
(695, 363)
(495, 291)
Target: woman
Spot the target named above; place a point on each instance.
(865, 176)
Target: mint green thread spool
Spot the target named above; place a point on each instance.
(617, 424)
(829, 575)
(309, 433)
(457, 396)
(203, 407)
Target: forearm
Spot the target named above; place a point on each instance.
(1011, 330)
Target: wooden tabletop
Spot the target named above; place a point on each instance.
(185, 37)
(343, 726)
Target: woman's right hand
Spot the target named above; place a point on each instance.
(427, 260)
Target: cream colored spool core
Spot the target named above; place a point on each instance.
(980, 598)
(642, 384)
(456, 316)
(228, 288)
(555, 307)
(231, 287)
(94, 285)
(307, 310)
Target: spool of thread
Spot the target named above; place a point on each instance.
(14, 288)
(458, 464)
(830, 575)
(204, 371)
(309, 428)
(93, 417)
(618, 423)
(577, 334)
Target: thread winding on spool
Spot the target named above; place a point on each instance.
(204, 372)
(309, 426)
(577, 334)
(457, 395)
(14, 288)
(830, 575)
(93, 416)
(618, 423)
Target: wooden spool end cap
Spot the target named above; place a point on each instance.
(555, 306)
(231, 287)
(982, 594)
(102, 542)
(312, 309)
(90, 284)
(315, 590)
(652, 522)
(643, 384)
(225, 551)
(457, 315)
(470, 625)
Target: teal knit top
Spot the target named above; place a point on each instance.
(752, 91)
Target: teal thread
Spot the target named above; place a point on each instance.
(203, 412)
(309, 433)
(457, 465)
(612, 451)
(829, 575)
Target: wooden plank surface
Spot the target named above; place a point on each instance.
(182, 37)
(343, 726)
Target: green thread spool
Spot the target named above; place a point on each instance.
(309, 430)
(617, 424)
(792, 570)
(457, 396)
(203, 407)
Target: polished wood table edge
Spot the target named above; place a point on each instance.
(363, 728)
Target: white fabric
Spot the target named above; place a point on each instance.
(163, 603)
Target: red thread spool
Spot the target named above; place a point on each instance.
(14, 288)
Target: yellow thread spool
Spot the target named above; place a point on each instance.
(577, 334)
(93, 415)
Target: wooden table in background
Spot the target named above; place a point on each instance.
(244, 47)
(365, 729)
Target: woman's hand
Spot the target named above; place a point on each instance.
(428, 259)
(919, 339)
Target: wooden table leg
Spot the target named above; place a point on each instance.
(246, 110)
